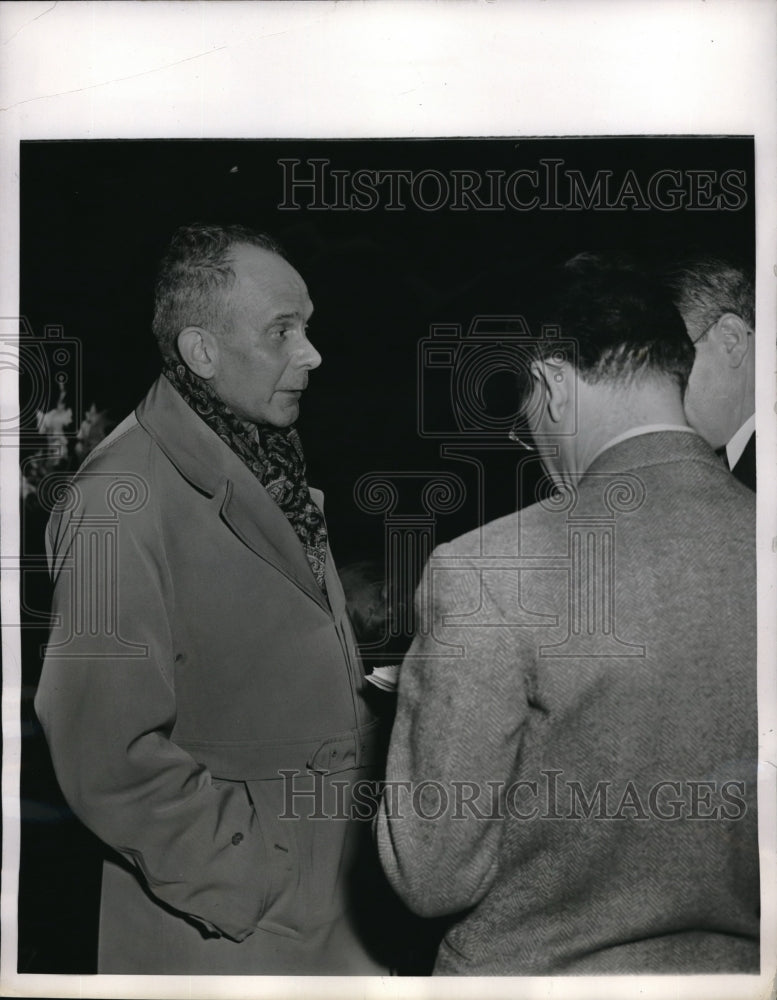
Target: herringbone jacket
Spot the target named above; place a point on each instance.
(580, 703)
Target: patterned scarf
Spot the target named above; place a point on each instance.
(272, 454)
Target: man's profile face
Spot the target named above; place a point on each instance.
(707, 399)
(721, 389)
(264, 355)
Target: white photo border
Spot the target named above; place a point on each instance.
(413, 69)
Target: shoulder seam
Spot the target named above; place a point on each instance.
(100, 451)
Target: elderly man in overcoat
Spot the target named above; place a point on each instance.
(202, 695)
(572, 772)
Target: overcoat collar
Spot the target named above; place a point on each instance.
(206, 462)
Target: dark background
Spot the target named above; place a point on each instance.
(95, 217)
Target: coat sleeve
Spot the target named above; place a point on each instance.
(108, 709)
(460, 711)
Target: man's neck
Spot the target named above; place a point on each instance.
(606, 413)
(642, 429)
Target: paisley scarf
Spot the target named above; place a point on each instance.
(273, 454)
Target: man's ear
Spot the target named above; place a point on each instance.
(557, 383)
(199, 350)
(733, 335)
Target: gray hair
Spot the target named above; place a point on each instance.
(705, 287)
(195, 276)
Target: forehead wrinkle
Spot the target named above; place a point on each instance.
(285, 299)
(266, 288)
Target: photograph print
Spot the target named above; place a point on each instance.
(388, 577)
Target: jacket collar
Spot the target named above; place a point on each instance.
(203, 459)
(655, 448)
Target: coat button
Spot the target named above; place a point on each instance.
(236, 838)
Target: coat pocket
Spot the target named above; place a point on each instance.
(285, 900)
(315, 842)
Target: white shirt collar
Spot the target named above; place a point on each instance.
(637, 431)
(738, 442)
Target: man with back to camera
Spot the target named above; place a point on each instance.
(217, 654)
(716, 299)
(571, 775)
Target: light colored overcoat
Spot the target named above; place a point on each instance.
(194, 660)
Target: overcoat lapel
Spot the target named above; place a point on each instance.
(210, 466)
(261, 525)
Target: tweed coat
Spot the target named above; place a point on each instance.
(577, 717)
(194, 660)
